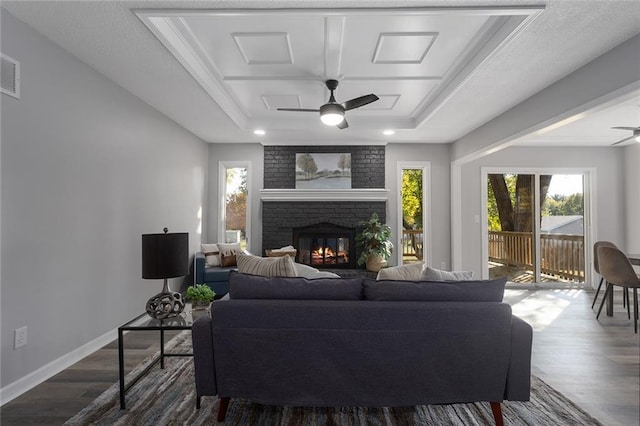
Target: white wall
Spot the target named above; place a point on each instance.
(86, 169)
(254, 153)
(609, 193)
(439, 190)
(631, 155)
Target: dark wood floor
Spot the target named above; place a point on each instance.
(595, 364)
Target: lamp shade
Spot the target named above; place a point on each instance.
(165, 255)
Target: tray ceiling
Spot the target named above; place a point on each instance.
(221, 68)
(252, 62)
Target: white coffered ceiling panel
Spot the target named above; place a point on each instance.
(252, 62)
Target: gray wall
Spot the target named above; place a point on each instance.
(86, 169)
(609, 193)
(631, 155)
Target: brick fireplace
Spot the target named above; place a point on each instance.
(281, 218)
(310, 219)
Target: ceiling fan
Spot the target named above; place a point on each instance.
(636, 134)
(332, 113)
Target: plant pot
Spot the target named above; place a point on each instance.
(198, 305)
(375, 263)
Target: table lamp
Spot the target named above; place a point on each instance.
(165, 256)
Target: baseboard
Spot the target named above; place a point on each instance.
(22, 385)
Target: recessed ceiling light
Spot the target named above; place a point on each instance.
(259, 132)
(389, 132)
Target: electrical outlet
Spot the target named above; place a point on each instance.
(443, 265)
(19, 337)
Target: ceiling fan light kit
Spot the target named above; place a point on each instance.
(332, 113)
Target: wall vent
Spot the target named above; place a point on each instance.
(9, 76)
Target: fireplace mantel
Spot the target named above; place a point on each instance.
(364, 194)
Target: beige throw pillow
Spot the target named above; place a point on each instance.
(282, 266)
(211, 253)
(432, 274)
(410, 272)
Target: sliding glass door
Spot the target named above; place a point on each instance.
(535, 227)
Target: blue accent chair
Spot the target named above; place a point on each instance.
(216, 277)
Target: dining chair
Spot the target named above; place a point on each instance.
(596, 266)
(616, 269)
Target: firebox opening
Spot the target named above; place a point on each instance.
(325, 246)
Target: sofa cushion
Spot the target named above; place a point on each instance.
(211, 253)
(266, 266)
(410, 272)
(244, 286)
(433, 274)
(432, 291)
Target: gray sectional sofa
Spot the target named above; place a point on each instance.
(359, 342)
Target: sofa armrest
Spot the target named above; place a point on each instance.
(200, 263)
(519, 376)
(202, 339)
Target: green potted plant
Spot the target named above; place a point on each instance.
(200, 296)
(375, 242)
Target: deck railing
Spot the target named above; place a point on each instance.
(561, 255)
(412, 243)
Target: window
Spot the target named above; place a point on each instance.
(234, 205)
(413, 245)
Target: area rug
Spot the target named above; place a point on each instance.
(167, 397)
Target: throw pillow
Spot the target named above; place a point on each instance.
(243, 286)
(266, 266)
(436, 291)
(409, 272)
(311, 273)
(228, 253)
(432, 274)
(211, 254)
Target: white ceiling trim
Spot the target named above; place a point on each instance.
(497, 34)
(180, 41)
(333, 42)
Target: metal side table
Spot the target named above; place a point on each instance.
(146, 323)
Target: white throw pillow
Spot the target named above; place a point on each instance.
(311, 273)
(432, 274)
(410, 272)
(211, 253)
(282, 266)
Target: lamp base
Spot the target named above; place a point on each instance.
(164, 305)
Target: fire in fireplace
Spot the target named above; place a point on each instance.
(325, 245)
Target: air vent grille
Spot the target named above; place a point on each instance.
(10, 76)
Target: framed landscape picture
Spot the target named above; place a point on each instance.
(323, 171)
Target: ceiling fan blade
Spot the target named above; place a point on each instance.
(343, 124)
(358, 102)
(626, 128)
(298, 109)
(622, 140)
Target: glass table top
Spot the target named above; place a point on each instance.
(184, 321)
